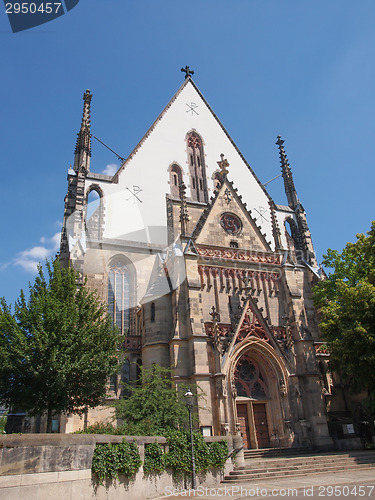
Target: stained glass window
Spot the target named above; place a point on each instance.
(249, 380)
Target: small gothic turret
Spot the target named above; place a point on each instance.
(290, 189)
(82, 151)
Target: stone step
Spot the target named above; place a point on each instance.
(292, 473)
(311, 461)
(265, 452)
(302, 466)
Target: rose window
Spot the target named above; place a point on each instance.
(230, 223)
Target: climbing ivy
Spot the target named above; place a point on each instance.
(207, 455)
(112, 459)
(154, 459)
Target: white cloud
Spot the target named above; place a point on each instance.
(30, 258)
(110, 169)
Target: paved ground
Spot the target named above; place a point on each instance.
(346, 484)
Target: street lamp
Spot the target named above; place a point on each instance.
(189, 397)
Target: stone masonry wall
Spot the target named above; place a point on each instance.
(58, 466)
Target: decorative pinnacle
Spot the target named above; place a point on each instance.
(290, 189)
(83, 145)
(223, 164)
(283, 157)
(214, 315)
(184, 215)
(188, 72)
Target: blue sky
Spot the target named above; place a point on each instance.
(304, 70)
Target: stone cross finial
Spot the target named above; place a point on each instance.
(223, 164)
(188, 72)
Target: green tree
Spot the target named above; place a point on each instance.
(154, 405)
(58, 348)
(346, 302)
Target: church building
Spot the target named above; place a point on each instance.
(203, 272)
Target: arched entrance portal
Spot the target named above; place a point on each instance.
(259, 404)
(251, 403)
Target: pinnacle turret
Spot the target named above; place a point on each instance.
(184, 215)
(82, 151)
(290, 189)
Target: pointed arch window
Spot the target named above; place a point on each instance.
(175, 180)
(197, 168)
(249, 380)
(94, 212)
(119, 296)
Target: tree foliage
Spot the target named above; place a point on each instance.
(154, 405)
(58, 348)
(346, 302)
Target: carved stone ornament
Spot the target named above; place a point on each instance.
(282, 387)
(225, 429)
(233, 389)
(230, 223)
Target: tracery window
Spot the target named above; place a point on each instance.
(119, 296)
(249, 380)
(197, 169)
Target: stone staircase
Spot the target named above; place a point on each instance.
(278, 452)
(280, 463)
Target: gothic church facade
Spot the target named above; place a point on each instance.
(204, 273)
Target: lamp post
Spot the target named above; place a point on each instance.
(189, 403)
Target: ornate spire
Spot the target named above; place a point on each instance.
(188, 72)
(290, 189)
(184, 215)
(83, 145)
(223, 164)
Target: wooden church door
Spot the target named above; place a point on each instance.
(243, 420)
(251, 387)
(261, 426)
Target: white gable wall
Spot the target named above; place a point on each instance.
(148, 169)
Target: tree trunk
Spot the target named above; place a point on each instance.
(49, 420)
